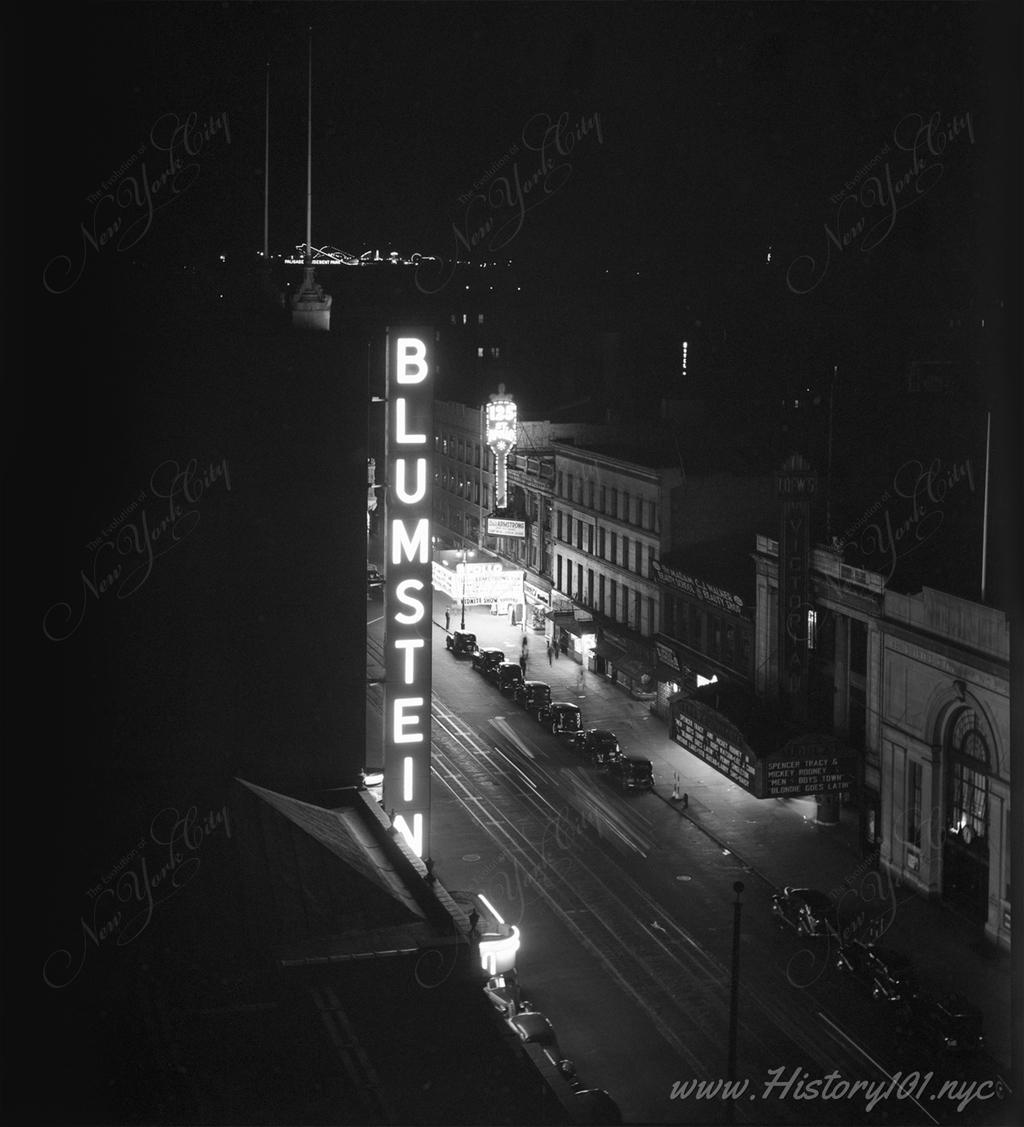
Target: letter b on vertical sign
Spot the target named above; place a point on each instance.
(408, 603)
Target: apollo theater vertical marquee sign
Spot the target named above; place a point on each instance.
(407, 587)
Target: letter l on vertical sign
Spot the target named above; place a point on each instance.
(408, 601)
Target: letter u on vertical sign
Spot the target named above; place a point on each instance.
(408, 609)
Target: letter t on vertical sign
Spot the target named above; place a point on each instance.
(408, 602)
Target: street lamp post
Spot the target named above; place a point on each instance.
(462, 625)
(465, 552)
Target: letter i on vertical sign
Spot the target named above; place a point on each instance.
(407, 589)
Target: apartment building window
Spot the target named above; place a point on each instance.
(625, 604)
(479, 318)
(638, 557)
(625, 552)
(651, 621)
(613, 547)
(600, 593)
(480, 352)
(626, 500)
(579, 581)
(604, 499)
(590, 539)
(558, 572)
(590, 587)
(600, 543)
(560, 488)
(613, 508)
(613, 598)
(650, 561)
(558, 524)
(568, 486)
(729, 651)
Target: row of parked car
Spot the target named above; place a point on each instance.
(947, 1023)
(593, 1105)
(562, 718)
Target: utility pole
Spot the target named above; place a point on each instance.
(737, 908)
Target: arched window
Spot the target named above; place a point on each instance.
(967, 756)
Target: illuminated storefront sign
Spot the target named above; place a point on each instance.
(478, 583)
(501, 437)
(407, 588)
(498, 953)
(535, 595)
(500, 526)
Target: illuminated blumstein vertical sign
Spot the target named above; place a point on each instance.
(407, 587)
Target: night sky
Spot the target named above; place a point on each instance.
(715, 132)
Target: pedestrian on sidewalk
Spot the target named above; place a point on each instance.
(549, 651)
(474, 919)
(526, 645)
(579, 680)
(447, 620)
(522, 663)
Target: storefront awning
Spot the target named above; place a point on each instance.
(608, 650)
(560, 617)
(634, 668)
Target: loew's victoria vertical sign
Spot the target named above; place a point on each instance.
(407, 586)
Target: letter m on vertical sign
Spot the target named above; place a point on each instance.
(408, 603)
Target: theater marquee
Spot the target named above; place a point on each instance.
(407, 586)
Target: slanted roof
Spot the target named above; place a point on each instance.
(315, 872)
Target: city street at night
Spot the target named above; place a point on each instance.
(513, 595)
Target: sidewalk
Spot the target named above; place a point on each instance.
(777, 839)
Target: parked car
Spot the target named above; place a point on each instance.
(561, 716)
(483, 660)
(632, 772)
(374, 580)
(534, 1028)
(461, 643)
(506, 676)
(806, 911)
(532, 695)
(887, 974)
(503, 991)
(596, 1106)
(949, 1024)
(599, 745)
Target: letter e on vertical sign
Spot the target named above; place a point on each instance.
(408, 602)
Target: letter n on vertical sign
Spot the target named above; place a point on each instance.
(408, 603)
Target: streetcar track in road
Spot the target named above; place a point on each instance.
(671, 994)
(671, 976)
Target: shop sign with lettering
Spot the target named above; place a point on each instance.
(407, 587)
